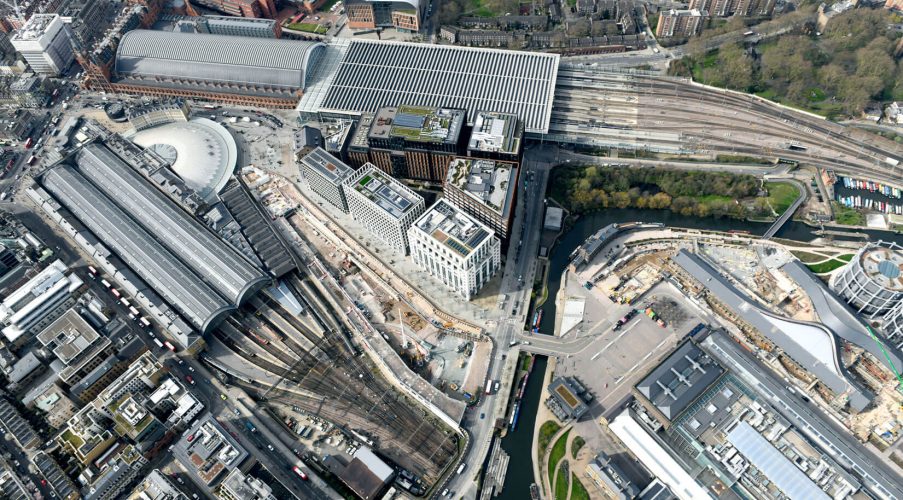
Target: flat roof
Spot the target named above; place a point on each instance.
(496, 132)
(771, 462)
(453, 228)
(71, 334)
(883, 265)
(418, 124)
(656, 459)
(680, 379)
(327, 166)
(386, 193)
(374, 74)
(489, 182)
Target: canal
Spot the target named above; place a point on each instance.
(518, 444)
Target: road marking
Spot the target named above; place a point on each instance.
(615, 340)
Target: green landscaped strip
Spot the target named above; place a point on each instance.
(845, 257)
(576, 444)
(806, 257)
(781, 195)
(826, 266)
(546, 431)
(578, 491)
(557, 453)
(561, 487)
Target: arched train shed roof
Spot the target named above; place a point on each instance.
(263, 62)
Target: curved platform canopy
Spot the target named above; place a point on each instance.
(230, 60)
(202, 152)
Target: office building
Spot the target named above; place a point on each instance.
(568, 399)
(497, 136)
(326, 176)
(403, 15)
(486, 190)
(415, 142)
(454, 248)
(45, 42)
(58, 408)
(114, 474)
(680, 23)
(607, 475)
(78, 347)
(208, 452)
(157, 486)
(386, 207)
(242, 8)
(367, 475)
(39, 302)
(238, 486)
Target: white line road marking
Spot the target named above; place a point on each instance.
(615, 340)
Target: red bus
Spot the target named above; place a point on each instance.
(169, 346)
(29, 142)
(92, 271)
(115, 293)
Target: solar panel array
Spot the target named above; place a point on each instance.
(374, 74)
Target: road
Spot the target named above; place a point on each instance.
(516, 283)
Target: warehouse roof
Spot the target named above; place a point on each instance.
(679, 380)
(264, 62)
(210, 257)
(155, 264)
(374, 74)
(202, 152)
(785, 474)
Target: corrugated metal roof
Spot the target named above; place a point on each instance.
(216, 58)
(781, 471)
(136, 247)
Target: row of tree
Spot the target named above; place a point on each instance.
(585, 189)
(851, 63)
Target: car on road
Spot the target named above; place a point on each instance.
(189, 379)
(297, 470)
(223, 397)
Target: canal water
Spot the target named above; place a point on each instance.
(518, 444)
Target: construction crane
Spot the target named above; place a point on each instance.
(887, 357)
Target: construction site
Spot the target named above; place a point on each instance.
(795, 318)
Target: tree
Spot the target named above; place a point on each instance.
(620, 199)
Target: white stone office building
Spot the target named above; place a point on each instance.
(45, 42)
(386, 207)
(455, 248)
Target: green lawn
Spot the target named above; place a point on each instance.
(847, 216)
(557, 453)
(781, 195)
(806, 257)
(561, 487)
(308, 28)
(578, 491)
(826, 266)
(576, 445)
(845, 257)
(709, 198)
(546, 431)
(816, 94)
(479, 9)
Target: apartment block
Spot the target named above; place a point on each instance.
(680, 23)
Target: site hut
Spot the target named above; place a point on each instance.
(325, 174)
(384, 206)
(455, 248)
